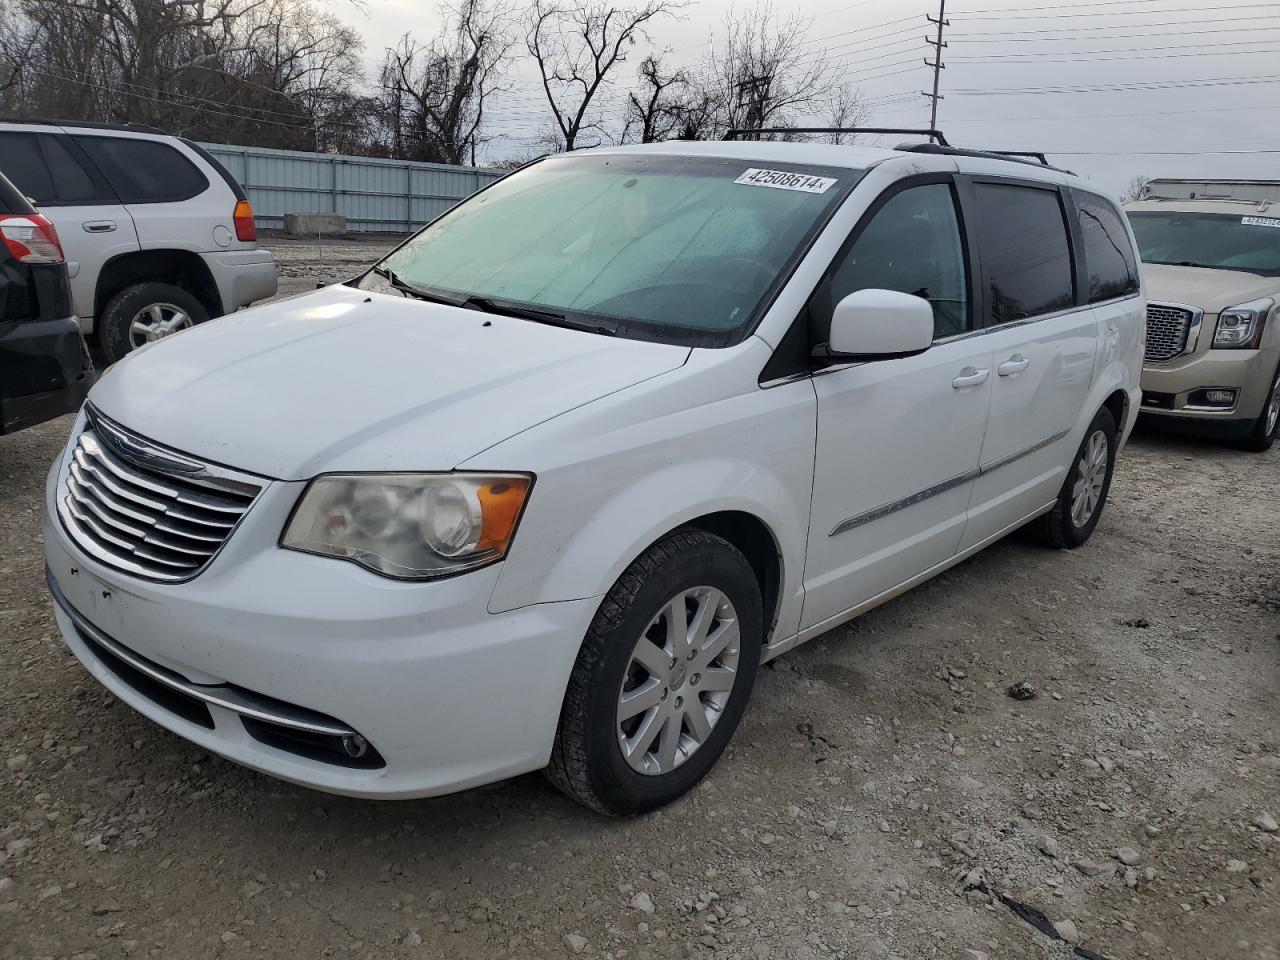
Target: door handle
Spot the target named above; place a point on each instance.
(98, 226)
(1013, 366)
(970, 377)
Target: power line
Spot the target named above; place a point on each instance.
(1109, 87)
(1006, 62)
(1011, 13)
(1036, 56)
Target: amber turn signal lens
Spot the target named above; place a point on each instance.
(500, 504)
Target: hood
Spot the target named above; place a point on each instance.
(1210, 290)
(343, 380)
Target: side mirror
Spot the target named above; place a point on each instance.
(881, 324)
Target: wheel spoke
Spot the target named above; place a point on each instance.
(695, 717)
(677, 626)
(725, 636)
(703, 618)
(652, 657)
(717, 679)
(668, 742)
(645, 697)
(638, 744)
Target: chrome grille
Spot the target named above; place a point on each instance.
(1167, 329)
(146, 509)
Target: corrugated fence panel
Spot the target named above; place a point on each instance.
(374, 195)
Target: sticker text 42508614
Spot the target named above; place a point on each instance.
(785, 180)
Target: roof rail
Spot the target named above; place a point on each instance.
(88, 124)
(736, 133)
(1012, 156)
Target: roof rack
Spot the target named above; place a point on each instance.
(1012, 156)
(89, 124)
(746, 132)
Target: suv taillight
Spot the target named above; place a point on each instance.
(31, 238)
(246, 229)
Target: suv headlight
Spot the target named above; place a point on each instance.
(410, 526)
(1241, 327)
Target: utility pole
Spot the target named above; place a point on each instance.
(936, 63)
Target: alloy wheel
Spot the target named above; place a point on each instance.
(678, 681)
(155, 322)
(1091, 475)
(1273, 408)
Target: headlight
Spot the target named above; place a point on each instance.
(1241, 327)
(410, 526)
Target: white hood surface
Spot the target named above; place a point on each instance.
(344, 380)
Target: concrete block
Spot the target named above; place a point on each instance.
(314, 224)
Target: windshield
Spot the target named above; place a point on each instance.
(1222, 241)
(679, 249)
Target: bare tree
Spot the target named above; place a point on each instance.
(1136, 189)
(847, 109)
(760, 72)
(435, 95)
(576, 44)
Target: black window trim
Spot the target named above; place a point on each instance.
(968, 196)
(76, 138)
(1110, 204)
(786, 362)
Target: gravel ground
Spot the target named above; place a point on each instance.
(302, 264)
(882, 781)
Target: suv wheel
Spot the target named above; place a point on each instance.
(145, 312)
(1084, 493)
(1263, 433)
(662, 678)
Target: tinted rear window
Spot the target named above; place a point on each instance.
(1108, 254)
(144, 171)
(1026, 253)
(22, 162)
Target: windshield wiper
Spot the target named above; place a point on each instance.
(549, 317)
(421, 293)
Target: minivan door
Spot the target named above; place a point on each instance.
(1042, 337)
(92, 224)
(898, 440)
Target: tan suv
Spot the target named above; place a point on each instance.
(1211, 266)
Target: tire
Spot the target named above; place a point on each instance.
(588, 762)
(1263, 433)
(116, 332)
(1063, 527)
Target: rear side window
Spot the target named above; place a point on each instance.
(11, 199)
(22, 162)
(70, 180)
(144, 171)
(1108, 255)
(1026, 253)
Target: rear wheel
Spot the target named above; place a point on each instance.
(145, 312)
(662, 678)
(1084, 492)
(1263, 433)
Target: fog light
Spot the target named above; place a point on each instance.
(355, 746)
(1222, 398)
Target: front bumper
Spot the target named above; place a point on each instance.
(448, 695)
(1172, 391)
(243, 276)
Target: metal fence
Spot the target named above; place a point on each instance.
(374, 195)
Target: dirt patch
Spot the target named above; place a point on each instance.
(879, 773)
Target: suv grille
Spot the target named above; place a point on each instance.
(1167, 329)
(145, 509)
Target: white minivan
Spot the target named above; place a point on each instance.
(545, 486)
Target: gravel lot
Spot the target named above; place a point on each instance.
(881, 774)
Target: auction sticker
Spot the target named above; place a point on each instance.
(1260, 221)
(787, 180)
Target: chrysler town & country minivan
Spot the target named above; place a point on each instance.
(544, 487)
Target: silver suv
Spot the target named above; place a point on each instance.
(158, 235)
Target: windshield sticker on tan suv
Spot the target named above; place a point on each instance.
(1260, 221)
(786, 180)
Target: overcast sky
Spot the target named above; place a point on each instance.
(1014, 76)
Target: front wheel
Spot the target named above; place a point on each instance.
(662, 678)
(1263, 433)
(1084, 492)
